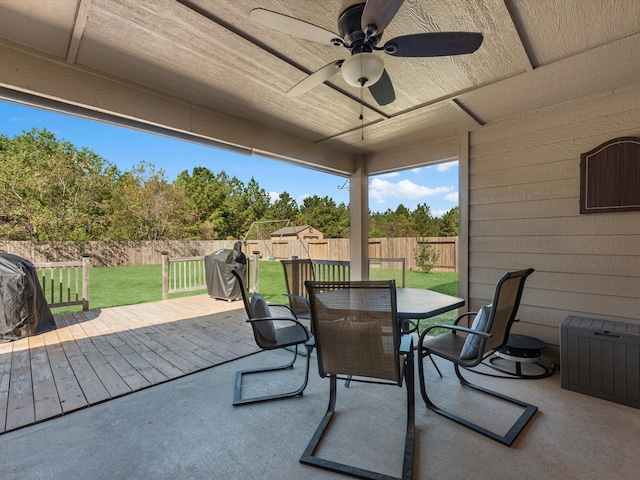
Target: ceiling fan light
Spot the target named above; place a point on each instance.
(362, 69)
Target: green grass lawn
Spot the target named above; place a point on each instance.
(128, 285)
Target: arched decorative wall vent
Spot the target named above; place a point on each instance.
(610, 177)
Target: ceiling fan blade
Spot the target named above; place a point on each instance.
(379, 13)
(382, 90)
(293, 26)
(315, 79)
(433, 44)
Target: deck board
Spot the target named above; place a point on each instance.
(92, 388)
(69, 391)
(45, 395)
(20, 405)
(6, 350)
(98, 355)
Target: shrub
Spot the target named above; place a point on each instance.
(426, 256)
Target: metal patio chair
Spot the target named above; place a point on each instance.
(270, 336)
(357, 337)
(296, 272)
(488, 333)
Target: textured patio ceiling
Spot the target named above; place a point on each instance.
(203, 68)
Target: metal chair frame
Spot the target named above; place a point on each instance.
(497, 339)
(404, 348)
(297, 329)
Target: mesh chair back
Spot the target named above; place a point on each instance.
(356, 330)
(505, 305)
(296, 272)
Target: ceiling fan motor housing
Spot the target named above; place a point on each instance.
(350, 28)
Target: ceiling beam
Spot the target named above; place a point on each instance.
(78, 29)
(523, 45)
(462, 108)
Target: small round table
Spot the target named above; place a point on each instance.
(520, 349)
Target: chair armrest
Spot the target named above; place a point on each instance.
(279, 319)
(406, 344)
(458, 328)
(464, 315)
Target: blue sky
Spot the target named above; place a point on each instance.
(437, 186)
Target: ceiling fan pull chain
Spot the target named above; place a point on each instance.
(361, 115)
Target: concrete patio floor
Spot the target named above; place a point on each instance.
(188, 429)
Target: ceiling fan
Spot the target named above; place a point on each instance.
(361, 27)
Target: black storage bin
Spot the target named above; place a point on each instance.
(601, 358)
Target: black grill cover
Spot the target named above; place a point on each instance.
(23, 307)
(221, 283)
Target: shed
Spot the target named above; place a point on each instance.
(303, 232)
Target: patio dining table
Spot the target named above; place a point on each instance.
(420, 303)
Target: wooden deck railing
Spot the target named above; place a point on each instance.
(331, 270)
(182, 274)
(65, 283)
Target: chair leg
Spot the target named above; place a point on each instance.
(294, 349)
(434, 364)
(308, 457)
(509, 437)
(237, 394)
(410, 438)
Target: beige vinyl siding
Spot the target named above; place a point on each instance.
(524, 185)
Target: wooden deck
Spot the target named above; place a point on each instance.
(95, 356)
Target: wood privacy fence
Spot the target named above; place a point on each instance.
(104, 254)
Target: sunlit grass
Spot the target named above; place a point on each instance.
(129, 285)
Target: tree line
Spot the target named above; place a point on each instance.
(52, 191)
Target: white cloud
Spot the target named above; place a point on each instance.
(452, 197)
(416, 170)
(273, 196)
(380, 189)
(438, 213)
(389, 175)
(443, 167)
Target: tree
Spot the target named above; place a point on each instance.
(284, 208)
(449, 223)
(49, 190)
(144, 206)
(323, 213)
(424, 223)
(391, 224)
(244, 205)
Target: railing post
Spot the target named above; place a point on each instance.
(255, 270)
(165, 275)
(86, 265)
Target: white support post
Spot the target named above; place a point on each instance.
(359, 220)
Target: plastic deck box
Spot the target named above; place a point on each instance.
(601, 358)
